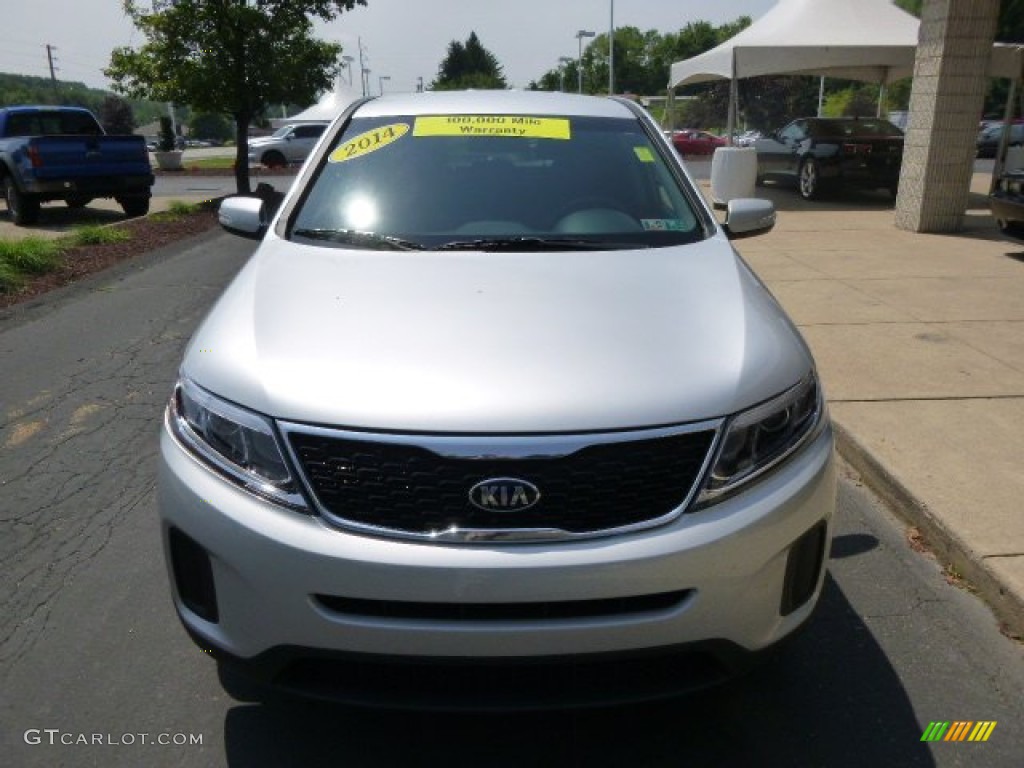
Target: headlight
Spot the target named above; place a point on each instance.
(238, 443)
(757, 439)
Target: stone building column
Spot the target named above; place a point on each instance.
(950, 80)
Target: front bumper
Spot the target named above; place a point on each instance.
(272, 569)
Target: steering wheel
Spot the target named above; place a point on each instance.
(594, 215)
(587, 203)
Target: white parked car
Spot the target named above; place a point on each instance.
(495, 416)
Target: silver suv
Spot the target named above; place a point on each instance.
(288, 145)
(494, 416)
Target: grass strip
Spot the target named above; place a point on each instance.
(176, 209)
(31, 255)
(95, 234)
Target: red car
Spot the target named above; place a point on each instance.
(689, 142)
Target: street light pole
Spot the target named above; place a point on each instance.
(347, 62)
(579, 60)
(562, 62)
(611, 50)
(381, 80)
(362, 66)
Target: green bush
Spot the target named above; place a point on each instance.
(94, 234)
(30, 255)
(167, 137)
(10, 278)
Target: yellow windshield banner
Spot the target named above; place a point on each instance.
(513, 126)
(368, 142)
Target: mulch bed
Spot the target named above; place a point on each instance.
(147, 234)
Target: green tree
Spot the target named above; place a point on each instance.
(229, 56)
(1009, 29)
(209, 125)
(642, 59)
(468, 65)
(26, 89)
(167, 139)
(115, 115)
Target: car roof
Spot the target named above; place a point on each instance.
(494, 103)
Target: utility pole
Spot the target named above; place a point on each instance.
(362, 65)
(611, 49)
(49, 57)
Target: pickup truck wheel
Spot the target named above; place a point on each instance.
(24, 209)
(134, 206)
(78, 201)
(274, 160)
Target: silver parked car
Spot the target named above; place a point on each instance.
(288, 145)
(494, 416)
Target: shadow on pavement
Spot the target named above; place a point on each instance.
(831, 698)
(56, 218)
(787, 198)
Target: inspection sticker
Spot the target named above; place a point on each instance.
(644, 154)
(368, 142)
(515, 126)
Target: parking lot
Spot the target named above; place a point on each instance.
(918, 346)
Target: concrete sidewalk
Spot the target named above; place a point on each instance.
(920, 343)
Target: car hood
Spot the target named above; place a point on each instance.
(496, 342)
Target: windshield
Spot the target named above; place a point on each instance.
(511, 182)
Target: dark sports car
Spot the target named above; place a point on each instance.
(825, 153)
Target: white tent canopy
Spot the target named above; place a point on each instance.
(868, 40)
(330, 105)
(871, 40)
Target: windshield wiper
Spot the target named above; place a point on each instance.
(360, 239)
(535, 244)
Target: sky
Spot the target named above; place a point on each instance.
(402, 39)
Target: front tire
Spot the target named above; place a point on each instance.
(24, 209)
(274, 160)
(809, 179)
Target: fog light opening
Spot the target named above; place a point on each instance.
(803, 567)
(193, 576)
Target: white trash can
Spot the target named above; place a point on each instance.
(733, 173)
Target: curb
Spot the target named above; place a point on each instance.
(948, 548)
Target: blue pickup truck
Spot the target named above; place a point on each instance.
(62, 153)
